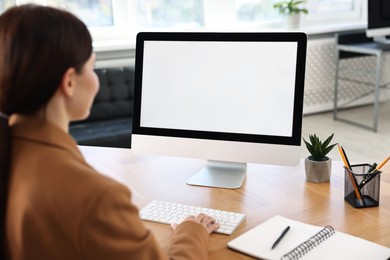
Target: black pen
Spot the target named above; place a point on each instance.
(281, 237)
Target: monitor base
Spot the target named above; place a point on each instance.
(220, 175)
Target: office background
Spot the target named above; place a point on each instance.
(114, 44)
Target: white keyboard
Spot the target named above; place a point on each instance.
(170, 212)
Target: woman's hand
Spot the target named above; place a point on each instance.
(206, 221)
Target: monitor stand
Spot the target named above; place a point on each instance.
(219, 174)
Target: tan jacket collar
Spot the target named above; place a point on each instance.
(41, 131)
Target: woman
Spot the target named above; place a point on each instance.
(53, 204)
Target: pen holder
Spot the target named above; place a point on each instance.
(361, 188)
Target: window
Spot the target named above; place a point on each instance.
(166, 13)
(231, 14)
(122, 19)
(255, 10)
(93, 13)
(4, 4)
(334, 11)
(329, 6)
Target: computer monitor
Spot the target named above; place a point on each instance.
(229, 98)
(379, 20)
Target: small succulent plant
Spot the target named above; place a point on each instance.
(317, 148)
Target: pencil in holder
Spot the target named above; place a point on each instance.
(362, 188)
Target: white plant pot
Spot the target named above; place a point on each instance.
(318, 171)
(292, 21)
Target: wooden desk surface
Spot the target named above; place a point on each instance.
(267, 191)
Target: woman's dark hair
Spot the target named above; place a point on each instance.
(37, 45)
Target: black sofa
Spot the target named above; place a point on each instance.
(110, 121)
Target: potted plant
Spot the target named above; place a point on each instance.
(292, 11)
(318, 166)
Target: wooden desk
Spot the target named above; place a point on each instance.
(267, 191)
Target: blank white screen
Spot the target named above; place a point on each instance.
(231, 87)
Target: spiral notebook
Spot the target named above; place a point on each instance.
(304, 241)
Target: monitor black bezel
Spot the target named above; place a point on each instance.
(375, 18)
(298, 37)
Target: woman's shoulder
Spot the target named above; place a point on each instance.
(79, 175)
(67, 173)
